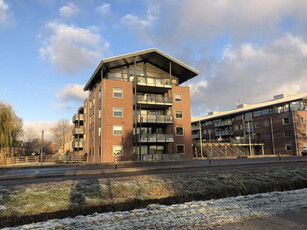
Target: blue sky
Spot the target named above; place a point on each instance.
(248, 50)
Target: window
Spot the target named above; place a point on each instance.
(266, 123)
(93, 101)
(179, 131)
(90, 104)
(117, 111)
(288, 147)
(117, 130)
(257, 124)
(258, 136)
(265, 112)
(285, 120)
(287, 133)
(99, 113)
(180, 149)
(302, 119)
(117, 150)
(304, 133)
(267, 135)
(99, 151)
(178, 114)
(99, 131)
(178, 97)
(90, 119)
(257, 113)
(100, 94)
(117, 93)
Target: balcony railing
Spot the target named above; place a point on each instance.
(223, 123)
(77, 144)
(77, 117)
(154, 100)
(160, 119)
(195, 136)
(77, 131)
(154, 82)
(195, 127)
(223, 133)
(152, 138)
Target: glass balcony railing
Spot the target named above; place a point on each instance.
(152, 138)
(154, 100)
(161, 119)
(77, 131)
(77, 144)
(154, 82)
(77, 117)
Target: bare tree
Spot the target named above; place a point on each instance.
(59, 131)
(10, 129)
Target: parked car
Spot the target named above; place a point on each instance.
(304, 151)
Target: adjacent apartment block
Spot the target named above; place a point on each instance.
(271, 127)
(137, 110)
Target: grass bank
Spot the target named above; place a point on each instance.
(39, 202)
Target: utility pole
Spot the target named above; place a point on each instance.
(201, 141)
(42, 147)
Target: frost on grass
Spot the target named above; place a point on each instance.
(194, 214)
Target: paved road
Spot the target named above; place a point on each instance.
(24, 176)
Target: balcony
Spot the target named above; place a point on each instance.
(155, 138)
(195, 136)
(195, 127)
(223, 133)
(156, 119)
(156, 101)
(77, 117)
(153, 84)
(77, 143)
(223, 123)
(77, 131)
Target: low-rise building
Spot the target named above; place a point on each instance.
(271, 127)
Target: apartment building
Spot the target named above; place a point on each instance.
(137, 110)
(271, 127)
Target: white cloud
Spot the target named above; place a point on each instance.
(103, 9)
(6, 17)
(36, 129)
(71, 49)
(69, 11)
(252, 73)
(72, 92)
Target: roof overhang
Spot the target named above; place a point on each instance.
(153, 56)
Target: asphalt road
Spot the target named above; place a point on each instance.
(52, 174)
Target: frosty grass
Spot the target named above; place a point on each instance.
(188, 215)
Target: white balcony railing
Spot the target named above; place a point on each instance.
(161, 119)
(152, 138)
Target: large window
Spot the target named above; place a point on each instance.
(117, 92)
(117, 130)
(285, 120)
(178, 114)
(117, 111)
(179, 131)
(178, 97)
(180, 149)
(117, 150)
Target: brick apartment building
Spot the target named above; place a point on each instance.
(135, 105)
(271, 127)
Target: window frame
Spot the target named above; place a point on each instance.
(182, 131)
(176, 114)
(283, 121)
(181, 99)
(286, 145)
(183, 148)
(121, 110)
(122, 92)
(122, 130)
(122, 150)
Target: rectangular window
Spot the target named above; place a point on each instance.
(99, 151)
(117, 93)
(90, 104)
(266, 123)
(99, 113)
(93, 101)
(117, 150)
(265, 112)
(117, 130)
(302, 119)
(178, 97)
(100, 94)
(236, 127)
(99, 131)
(258, 136)
(90, 119)
(285, 120)
(257, 124)
(180, 149)
(287, 133)
(267, 135)
(304, 133)
(179, 131)
(117, 111)
(178, 114)
(288, 147)
(257, 113)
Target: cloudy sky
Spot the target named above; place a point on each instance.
(248, 50)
